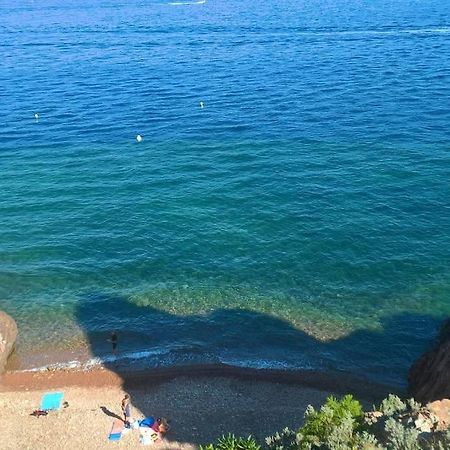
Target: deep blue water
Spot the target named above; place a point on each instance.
(299, 219)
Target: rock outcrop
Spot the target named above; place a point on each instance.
(429, 377)
(441, 410)
(8, 334)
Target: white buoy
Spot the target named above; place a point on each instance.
(139, 138)
(202, 105)
(36, 116)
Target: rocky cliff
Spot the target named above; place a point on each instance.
(429, 377)
(8, 334)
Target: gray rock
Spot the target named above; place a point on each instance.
(8, 335)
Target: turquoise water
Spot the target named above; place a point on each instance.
(299, 219)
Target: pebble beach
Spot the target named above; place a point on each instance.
(201, 404)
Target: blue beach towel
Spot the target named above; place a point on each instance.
(115, 436)
(51, 400)
(116, 430)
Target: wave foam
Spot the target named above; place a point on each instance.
(200, 2)
(398, 32)
(99, 361)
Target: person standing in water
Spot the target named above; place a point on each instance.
(126, 410)
(113, 339)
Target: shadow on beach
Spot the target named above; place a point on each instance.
(155, 348)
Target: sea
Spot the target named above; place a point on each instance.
(259, 184)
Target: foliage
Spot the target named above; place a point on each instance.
(392, 405)
(286, 440)
(341, 436)
(333, 426)
(367, 441)
(231, 442)
(437, 441)
(400, 437)
(339, 425)
(413, 405)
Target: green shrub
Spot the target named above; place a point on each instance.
(413, 406)
(367, 441)
(231, 442)
(286, 440)
(400, 437)
(339, 425)
(437, 441)
(392, 405)
(333, 426)
(341, 436)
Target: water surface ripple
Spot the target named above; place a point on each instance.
(299, 219)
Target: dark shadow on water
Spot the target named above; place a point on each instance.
(193, 345)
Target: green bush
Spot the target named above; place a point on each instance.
(231, 442)
(392, 405)
(333, 426)
(413, 406)
(339, 425)
(442, 441)
(400, 437)
(286, 440)
(367, 441)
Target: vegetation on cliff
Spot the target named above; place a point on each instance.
(342, 425)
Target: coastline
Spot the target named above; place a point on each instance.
(338, 382)
(201, 402)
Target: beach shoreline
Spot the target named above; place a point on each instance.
(339, 382)
(201, 402)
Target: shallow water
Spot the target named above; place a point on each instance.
(299, 219)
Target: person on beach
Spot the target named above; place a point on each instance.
(161, 426)
(126, 410)
(154, 433)
(113, 340)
